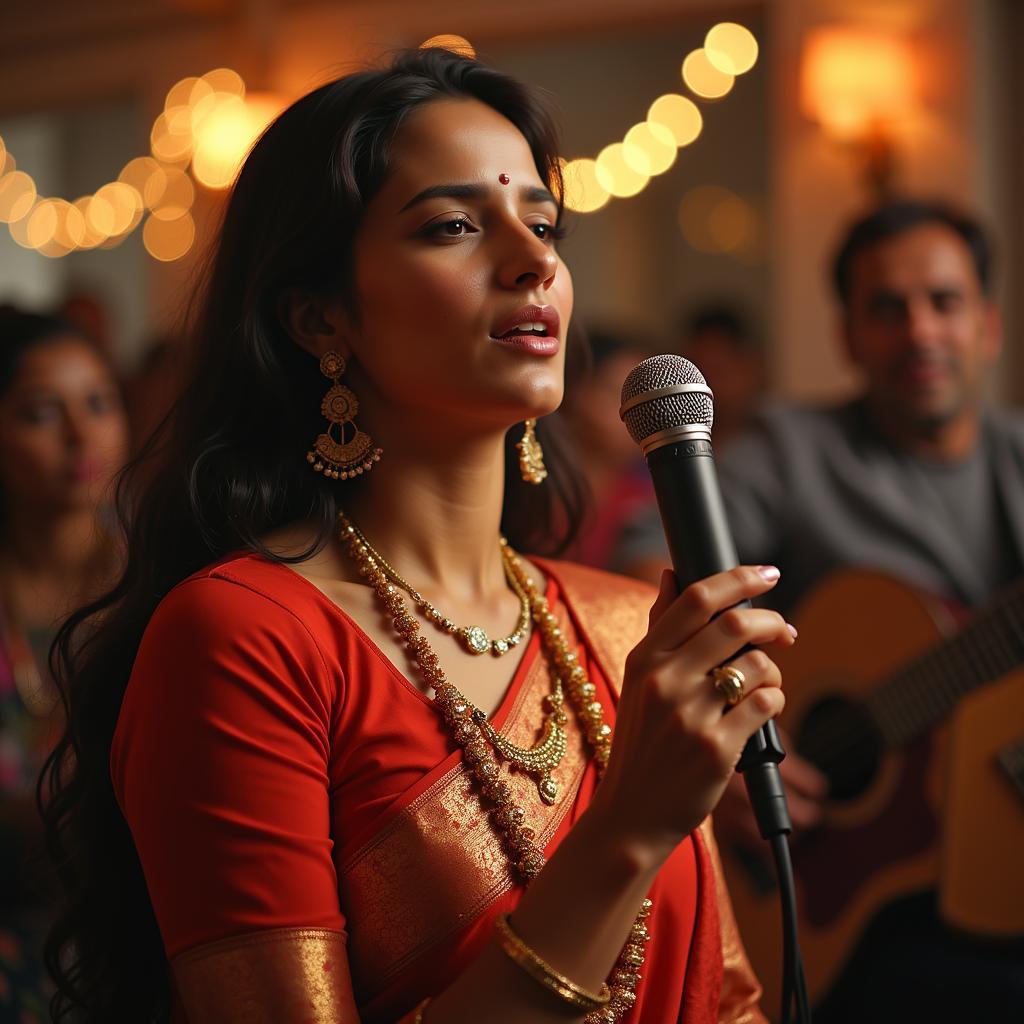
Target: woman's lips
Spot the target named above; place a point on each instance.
(535, 344)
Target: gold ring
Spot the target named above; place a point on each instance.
(730, 683)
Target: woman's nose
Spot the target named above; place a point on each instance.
(530, 261)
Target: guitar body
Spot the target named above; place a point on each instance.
(881, 839)
(982, 887)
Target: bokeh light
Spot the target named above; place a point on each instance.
(168, 240)
(126, 208)
(616, 175)
(17, 194)
(703, 78)
(225, 127)
(91, 237)
(220, 80)
(731, 48)
(171, 138)
(656, 144)
(141, 172)
(169, 194)
(42, 223)
(716, 220)
(456, 44)
(583, 192)
(679, 114)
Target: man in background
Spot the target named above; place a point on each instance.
(920, 479)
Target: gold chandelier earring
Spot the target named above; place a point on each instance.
(342, 450)
(531, 455)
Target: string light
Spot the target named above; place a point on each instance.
(651, 147)
(679, 115)
(456, 44)
(704, 78)
(158, 184)
(208, 124)
(731, 48)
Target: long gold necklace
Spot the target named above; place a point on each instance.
(542, 758)
(526, 857)
(474, 638)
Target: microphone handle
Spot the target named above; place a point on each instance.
(700, 544)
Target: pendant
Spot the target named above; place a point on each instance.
(476, 640)
(548, 789)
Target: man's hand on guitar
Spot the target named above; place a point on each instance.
(806, 787)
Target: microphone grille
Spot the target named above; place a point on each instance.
(664, 412)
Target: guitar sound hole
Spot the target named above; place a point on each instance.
(839, 738)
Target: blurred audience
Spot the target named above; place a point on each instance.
(63, 437)
(609, 459)
(87, 314)
(717, 339)
(153, 388)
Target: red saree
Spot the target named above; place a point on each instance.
(310, 841)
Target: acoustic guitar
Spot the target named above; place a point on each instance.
(913, 722)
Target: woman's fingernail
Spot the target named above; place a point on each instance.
(769, 572)
(792, 630)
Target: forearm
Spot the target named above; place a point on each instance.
(576, 915)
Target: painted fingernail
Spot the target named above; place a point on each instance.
(769, 572)
(792, 630)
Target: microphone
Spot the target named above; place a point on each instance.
(668, 410)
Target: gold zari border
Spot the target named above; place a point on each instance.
(266, 977)
(438, 863)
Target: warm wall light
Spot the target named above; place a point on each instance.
(859, 85)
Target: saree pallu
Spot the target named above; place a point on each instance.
(324, 821)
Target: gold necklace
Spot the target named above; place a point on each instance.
(524, 854)
(474, 638)
(539, 760)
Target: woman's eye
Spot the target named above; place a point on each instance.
(547, 232)
(454, 228)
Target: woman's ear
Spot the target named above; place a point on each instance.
(316, 323)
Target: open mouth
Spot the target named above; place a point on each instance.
(524, 330)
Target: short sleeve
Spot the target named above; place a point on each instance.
(220, 765)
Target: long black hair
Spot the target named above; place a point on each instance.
(231, 467)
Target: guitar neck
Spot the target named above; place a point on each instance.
(923, 693)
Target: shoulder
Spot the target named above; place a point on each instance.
(1007, 425)
(239, 599)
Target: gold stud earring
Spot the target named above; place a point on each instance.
(341, 457)
(531, 455)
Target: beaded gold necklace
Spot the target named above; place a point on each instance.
(474, 638)
(525, 856)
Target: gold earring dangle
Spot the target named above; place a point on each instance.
(341, 457)
(531, 455)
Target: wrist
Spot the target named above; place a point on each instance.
(632, 853)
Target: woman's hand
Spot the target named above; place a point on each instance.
(675, 748)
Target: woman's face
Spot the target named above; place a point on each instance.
(456, 251)
(63, 433)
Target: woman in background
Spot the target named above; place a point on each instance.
(63, 437)
(334, 744)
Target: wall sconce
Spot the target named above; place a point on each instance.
(858, 85)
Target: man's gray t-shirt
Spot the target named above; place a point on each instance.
(815, 490)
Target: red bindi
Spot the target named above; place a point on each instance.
(503, 178)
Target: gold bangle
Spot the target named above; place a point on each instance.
(541, 971)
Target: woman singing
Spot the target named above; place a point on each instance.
(339, 749)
